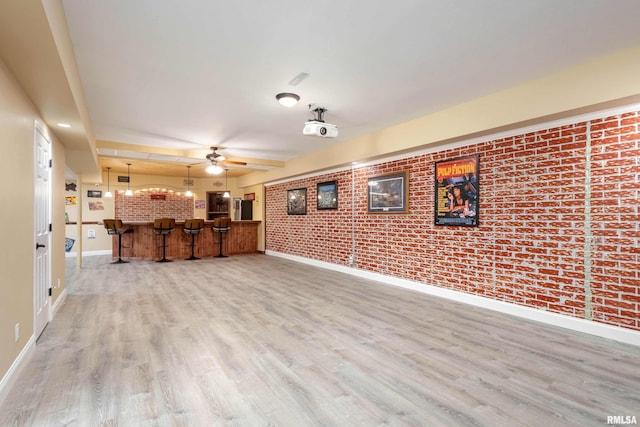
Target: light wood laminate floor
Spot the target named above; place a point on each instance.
(254, 340)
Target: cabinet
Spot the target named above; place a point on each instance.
(217, 205)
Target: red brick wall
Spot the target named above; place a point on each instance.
(529, 248)
(140, 207)
(615, 211)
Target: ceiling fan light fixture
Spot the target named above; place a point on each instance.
(214, 169)
(287, 99)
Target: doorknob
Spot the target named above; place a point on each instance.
(38, 246)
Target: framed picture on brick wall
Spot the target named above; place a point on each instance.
(388, 193)
(327, 195)
(297, 201)
(457, 191)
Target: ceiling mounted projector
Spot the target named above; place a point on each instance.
(322, 129)
(317, 126)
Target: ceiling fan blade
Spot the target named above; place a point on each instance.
(234, 162)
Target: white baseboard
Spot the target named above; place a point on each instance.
(580, 325)
(87, 253)
(27, 352)
(21, 361)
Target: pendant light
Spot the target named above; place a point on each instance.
(128, 192)
(108, 193)
(226, 194)
(188, 193)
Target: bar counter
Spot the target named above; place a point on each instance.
(141, 242)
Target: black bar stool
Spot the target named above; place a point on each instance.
(221, 226)
(115, 227)
(164, 227)
(193, 227)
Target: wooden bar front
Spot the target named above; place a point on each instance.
(141, 242)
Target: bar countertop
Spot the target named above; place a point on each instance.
(141, 242)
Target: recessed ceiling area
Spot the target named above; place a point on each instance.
(166, 162)
(186, 76)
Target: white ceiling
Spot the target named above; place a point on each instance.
(191, 74)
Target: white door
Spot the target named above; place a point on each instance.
(42, 234)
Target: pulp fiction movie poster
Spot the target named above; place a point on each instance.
(457, 191)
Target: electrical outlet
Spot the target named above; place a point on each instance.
(17, 332)
(351, 259)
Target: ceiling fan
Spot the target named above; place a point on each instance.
(219, 162)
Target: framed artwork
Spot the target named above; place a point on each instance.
(94, 193)
(457, 191)
(297, 201)
(388, 193)
(327, 195)
(96, 206)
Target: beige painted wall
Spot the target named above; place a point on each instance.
(102, 241)
(16, 258)
(17, 118)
